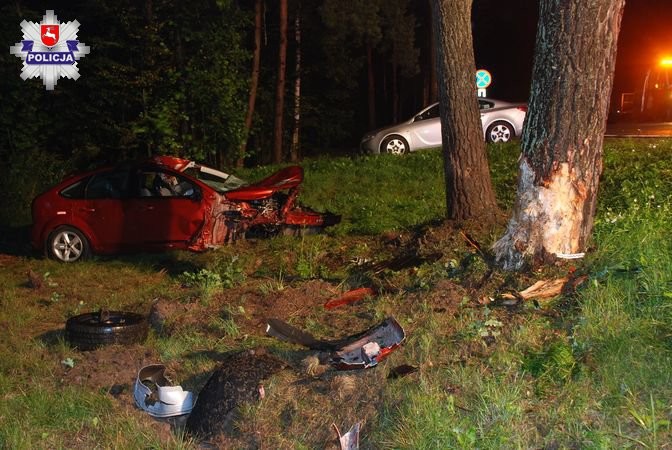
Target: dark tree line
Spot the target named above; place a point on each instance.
(199, 79)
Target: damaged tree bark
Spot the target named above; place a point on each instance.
(561, 159)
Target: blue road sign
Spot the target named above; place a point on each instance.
(483, 79)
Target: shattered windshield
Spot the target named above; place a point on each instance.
(219, 181)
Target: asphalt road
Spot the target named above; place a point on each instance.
(643, 130)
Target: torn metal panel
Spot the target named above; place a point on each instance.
(349, 440)
(359, 351)
(154, 393)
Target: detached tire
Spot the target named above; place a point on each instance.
(92, 330)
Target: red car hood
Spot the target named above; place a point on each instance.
(281, 180)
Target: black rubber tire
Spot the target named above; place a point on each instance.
(88, 331)
(499, 123)
(84, 248)
(401, 150)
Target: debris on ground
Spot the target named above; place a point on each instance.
(94, 329)
(349, 440)
(546, 289)
(351, 296)
(359, 351)
(34, 280)
(154, 393)
(237, 380)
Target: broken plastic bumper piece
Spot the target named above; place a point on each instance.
(359, 351)
(154, 393)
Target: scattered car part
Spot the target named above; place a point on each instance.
(235, 381)
(349, 440)
(501, 121)
(359, 351)
(545, 289)
(92, 330)
(154, 393)
(351, 296)
(165, 202)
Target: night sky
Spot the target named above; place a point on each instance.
(504, 43)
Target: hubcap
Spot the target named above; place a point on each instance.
(500, 133)
(396, 147)
(67, 246)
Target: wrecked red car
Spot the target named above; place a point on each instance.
(165, 202)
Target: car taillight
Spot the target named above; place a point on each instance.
(522, 108)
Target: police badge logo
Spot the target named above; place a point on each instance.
(50, 50)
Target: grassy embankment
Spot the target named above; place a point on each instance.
(591, 370)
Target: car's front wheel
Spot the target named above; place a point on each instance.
(499, 132)
(395, 145)
(67, 244)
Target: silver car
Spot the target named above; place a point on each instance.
(501, 122)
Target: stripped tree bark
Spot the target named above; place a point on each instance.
(280, 85)
(561, 159)
(469, 192)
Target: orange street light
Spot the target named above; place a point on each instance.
(666, 62)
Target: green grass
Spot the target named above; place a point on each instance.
(591, 370)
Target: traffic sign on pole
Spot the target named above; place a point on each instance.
(483, 79)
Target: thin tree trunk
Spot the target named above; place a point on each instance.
(294, 152)
(254, 80)
(372, 86)
(469, 192)
(561, 163)
(280, 85)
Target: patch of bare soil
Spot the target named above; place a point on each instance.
(113, 369)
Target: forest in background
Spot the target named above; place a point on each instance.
(167, 77)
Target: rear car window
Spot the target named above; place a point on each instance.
(111, 185)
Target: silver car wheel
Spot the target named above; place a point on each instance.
(67, 245)
(395, 145)
(499, 132)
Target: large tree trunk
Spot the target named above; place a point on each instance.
(254, 80)
(294, 153)
(469, 192)
(280, 85)
(562, 142)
